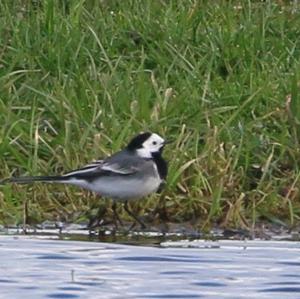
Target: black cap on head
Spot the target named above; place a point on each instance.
(138, 141)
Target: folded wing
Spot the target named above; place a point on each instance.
(100, 168)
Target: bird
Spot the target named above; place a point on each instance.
(130, 174)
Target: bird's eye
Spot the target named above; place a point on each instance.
(154, 142)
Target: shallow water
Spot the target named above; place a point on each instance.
(34, 267)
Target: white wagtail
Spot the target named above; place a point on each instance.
(132, 173)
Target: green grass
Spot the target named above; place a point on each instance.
(80, 78)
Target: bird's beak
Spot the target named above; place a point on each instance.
(168, 141)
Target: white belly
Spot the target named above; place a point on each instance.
(120, 189)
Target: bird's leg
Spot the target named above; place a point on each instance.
(97, 219)
(116, 215)
(94, 221)
(143, 225)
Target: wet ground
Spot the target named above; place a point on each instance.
(151, 236)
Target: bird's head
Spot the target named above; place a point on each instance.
(147, 144)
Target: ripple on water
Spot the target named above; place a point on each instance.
(55, 257)
(71, 289)
(62, 295)
(157, 259)
(297, 264)
(209, 284)
(177, 272)
(3, 280)
(281, 290)
(29, 288)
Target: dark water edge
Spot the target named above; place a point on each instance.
(148, 237)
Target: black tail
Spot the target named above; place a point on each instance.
(31, 179)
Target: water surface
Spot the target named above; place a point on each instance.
(32, 267)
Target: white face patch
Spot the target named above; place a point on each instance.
(152, 145)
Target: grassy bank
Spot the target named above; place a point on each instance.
(79, 78)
